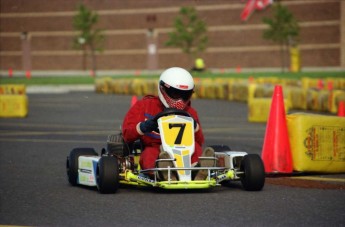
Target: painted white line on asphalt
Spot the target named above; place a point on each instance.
(57, 89)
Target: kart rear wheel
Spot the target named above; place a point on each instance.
(72, 163)
(107, 174)
(253, 178)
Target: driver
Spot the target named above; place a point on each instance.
(175, 89)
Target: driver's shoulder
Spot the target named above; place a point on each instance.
(150, 99)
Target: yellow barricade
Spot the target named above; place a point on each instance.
(230, 89)
(312, 99)
(306, 94)
(208, 89)
(298, 97)
(12, 89)
(136, 87)
(151, 87)
(335, 97)
(317, 143)
(102, 85)
(240, 91)
(221, 88)
(13, 105)
(323, 100)
(259, 109)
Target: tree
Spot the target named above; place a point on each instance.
(189, 33)
(89, 39)
(283, 29)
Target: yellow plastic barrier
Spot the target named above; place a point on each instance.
(240, 91)
(208, 89)
(152, 87)
(317, 142)
(335, 83)
(312, 99)
(12, 89)
(230, 89)
(259, 109)
(306, 94)
(102, 85)
(221, 88)
(335, 97)
(13, 105)
(298, 97)
(323, 100)
(252, 89)
(136, 87)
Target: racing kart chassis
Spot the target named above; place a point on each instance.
(106, 172)
(119, 163)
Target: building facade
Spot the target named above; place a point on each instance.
(38, 34)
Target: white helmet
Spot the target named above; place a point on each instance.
(175, 88)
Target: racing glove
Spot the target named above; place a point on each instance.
(148, 126)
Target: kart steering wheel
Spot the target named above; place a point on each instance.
(171, 111)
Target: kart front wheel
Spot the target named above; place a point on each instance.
(253, 178)
(72, 163)
(107, 174)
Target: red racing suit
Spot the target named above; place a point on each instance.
(148, 108)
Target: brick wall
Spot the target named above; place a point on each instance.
(232, 42)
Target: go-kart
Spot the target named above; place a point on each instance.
(118, 163)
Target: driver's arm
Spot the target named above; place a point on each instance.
(198, 135)
(133, 117)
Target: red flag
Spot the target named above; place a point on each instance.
(262, 4)
(253, 5)
(248, 10)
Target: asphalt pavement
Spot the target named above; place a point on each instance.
(34, 190)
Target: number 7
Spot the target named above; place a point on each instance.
(182, 126)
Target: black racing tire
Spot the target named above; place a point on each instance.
(72, 163)
(107, 174)
(220, 148)
(253, 178)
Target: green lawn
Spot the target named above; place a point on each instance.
(55, 80)
(51, 80)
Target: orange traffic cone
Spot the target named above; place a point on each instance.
(276, 152)
(341, 109)
(134, 100)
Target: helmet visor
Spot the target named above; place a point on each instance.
(176, 93)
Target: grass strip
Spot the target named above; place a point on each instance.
(70, 80)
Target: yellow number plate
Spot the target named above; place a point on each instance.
(177, 131)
